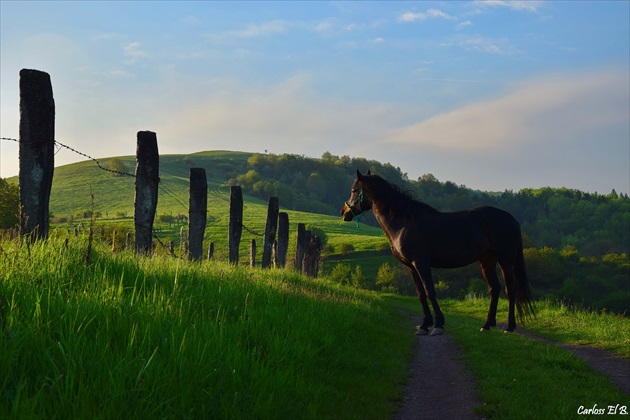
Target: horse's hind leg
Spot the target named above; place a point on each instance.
(427, 321)
(489, 271)
(508, 276)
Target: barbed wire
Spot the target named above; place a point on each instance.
(215, 192)
(60, 145)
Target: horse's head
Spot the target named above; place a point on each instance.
(357, 202)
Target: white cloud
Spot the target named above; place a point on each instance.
(109, 36)
(464, 24)
(258, 30)
(429, 14)
(479, 43)
(289, 117)
(558, 109)
(134, 51)
(528, 6)
(379, 40)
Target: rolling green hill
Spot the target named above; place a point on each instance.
(74, 185)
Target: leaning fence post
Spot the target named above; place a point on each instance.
(270, 231)
(235, 227)
(197, 209)
(299, 246)
(37, 151)
(147, 178)
(283, 239)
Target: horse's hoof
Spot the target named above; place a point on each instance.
(484, 329)
(422, 331)
(508, 330)
(437, 331)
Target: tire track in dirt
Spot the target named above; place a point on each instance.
(439, 386)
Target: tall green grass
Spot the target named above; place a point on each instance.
(129, 337)
(562, 323)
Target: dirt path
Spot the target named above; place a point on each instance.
(439, 386)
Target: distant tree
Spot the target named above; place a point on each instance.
(9, 204)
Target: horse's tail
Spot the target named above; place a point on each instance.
(523, 292)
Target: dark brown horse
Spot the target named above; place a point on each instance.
(422, 237)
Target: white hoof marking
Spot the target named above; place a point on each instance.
(420, 331)
(437, 331)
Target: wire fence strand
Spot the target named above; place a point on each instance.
(60, 146)
(215, 192)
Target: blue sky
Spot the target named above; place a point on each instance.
(491, 94)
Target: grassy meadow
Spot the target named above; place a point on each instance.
(144, 337)
(130, 337)
(121, 336)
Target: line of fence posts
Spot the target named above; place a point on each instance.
(37, 141)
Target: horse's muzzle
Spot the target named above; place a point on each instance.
(346, 213)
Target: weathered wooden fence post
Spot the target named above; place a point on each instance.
(145, 200)
(312, 254)
(183, 240)
(235, 227)
(252, 253)
(37, 151)
(299, 247)
(283, 239)
(270, 231)
(197, 209)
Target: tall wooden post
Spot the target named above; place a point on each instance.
(147, 178)
(270, 231)
(37, 151)
(197, 209)
(283, 239)
(299, 247)
(235, 227)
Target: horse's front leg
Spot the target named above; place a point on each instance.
(427, 321)
(424, 270)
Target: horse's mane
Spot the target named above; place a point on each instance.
(399, 201)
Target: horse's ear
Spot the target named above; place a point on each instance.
(369, 173)
(359, 176)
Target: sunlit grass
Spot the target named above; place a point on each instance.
(559, 322)
(149, 337)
